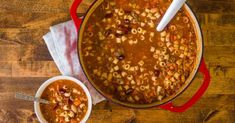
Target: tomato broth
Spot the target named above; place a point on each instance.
(128, 59)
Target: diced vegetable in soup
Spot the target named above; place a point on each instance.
(69, 102)
(128, 59)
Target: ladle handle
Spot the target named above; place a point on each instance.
(23, 96)
(203, 69)
(170, 13)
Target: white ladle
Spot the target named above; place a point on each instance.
(170, 13)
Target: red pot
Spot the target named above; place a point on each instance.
(168, 105)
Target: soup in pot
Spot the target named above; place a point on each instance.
(126, 58)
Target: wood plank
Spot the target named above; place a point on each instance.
(138, 116)
(212, 37)
(212, 101)
(221, 37)
(31, 31)
(217, 86)
(58, 6)
(35, 6)
(212, 6)
(31, 20)
(5, 69)
(223, 19)
(29, 85)
(25, 84)
(17, 116)
(24, 53)
(223, 55)
(206, 102)
(116, 116)
(219, 54)
(192, 116)
(99, 116)
(20, 36)
(195, 113)
(218, 29)
(212, 97)
(41, 6)
(34, 69)
(36, 20)
(223, 79)
(28, 68)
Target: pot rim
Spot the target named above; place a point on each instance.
(200, 50)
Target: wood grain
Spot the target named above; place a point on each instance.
(25, 64)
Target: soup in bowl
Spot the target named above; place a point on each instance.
(69, 101)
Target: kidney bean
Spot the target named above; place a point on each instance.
(157, 72)
(108, 15)
(62, 91)
(129, 91)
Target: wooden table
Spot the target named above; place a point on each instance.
(25, 63)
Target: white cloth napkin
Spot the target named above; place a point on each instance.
(62, 44)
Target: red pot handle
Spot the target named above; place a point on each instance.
(198, 94)
(73, 12)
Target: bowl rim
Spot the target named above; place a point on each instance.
(200, 46)
(53, 79)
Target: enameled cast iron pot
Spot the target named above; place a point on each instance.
(165, 103)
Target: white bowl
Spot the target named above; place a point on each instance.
(51, 80)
